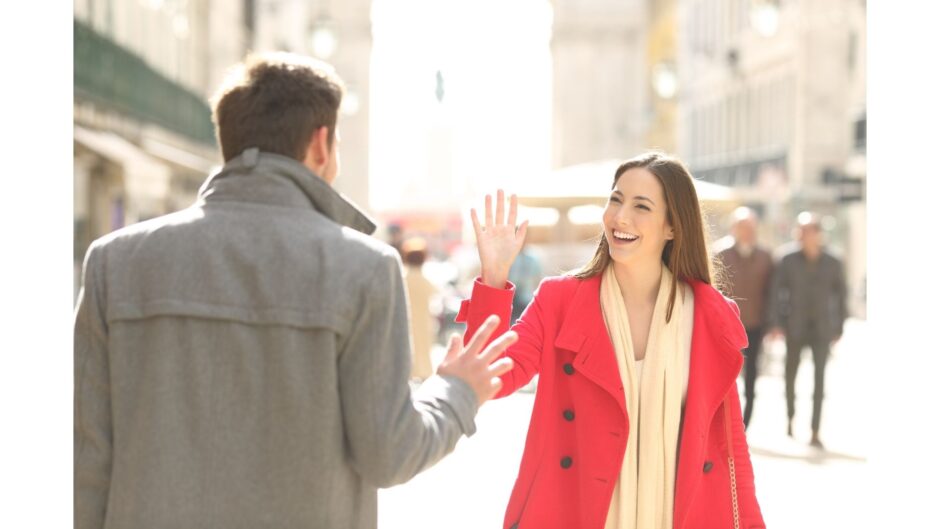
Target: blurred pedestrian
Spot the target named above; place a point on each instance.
(627, 349)
(395, 236)
(244, 362)
(420, 291)
(749, 269)
(809, 308)
(525, 274)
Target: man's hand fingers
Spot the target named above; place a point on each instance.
(453, 347)
(482, 335)
(500, 367)
(499, 345)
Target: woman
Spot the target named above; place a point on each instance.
(637, 422)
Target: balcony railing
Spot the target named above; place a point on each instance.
(109, 74)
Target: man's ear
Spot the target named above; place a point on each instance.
(318, 150)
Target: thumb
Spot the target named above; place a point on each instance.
(520, 233)
(453, 348)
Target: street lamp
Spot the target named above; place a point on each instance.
(665, 80)
(765, 17)
(323, 41)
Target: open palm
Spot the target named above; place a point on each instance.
(498, 240)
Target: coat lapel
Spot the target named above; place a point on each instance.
(583, 331)
(717, 340)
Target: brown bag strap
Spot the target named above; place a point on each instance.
(734, 484)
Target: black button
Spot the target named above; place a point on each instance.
(569, 369)
(569, 415)
(566, 462)
(515, 526)
(708, 466)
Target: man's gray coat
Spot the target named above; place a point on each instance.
(243, 363)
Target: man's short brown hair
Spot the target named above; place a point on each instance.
(275, 102)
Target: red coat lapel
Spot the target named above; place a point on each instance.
(717, 340)
(584, 332)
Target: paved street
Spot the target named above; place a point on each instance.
(797, 486)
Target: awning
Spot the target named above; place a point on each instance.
(590, 182)
(180, 157)
(146, 180)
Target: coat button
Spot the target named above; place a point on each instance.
(569, 415)
(569, 369)
(708, 466)
(566, 462)
(515, 526)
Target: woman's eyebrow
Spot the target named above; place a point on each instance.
(641, 197)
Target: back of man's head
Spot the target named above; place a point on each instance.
(275, 102)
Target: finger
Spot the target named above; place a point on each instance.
(499, 345)
(500, 207)
(520, 233)
(500, 367)
(482, 335)
(489, 212)
(496, 384)
(513, 205)
(453, 347)
(476, 223)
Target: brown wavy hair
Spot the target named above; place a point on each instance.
(686, 255)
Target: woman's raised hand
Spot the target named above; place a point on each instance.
(498, 240)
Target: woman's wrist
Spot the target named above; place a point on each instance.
(495, 279)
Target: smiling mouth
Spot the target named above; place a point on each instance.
(624, 237)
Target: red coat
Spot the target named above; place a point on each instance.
(578, 431)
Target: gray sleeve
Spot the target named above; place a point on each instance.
(841, 293)
(391, 435)
(92, 400)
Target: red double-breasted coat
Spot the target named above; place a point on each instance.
(579, 427)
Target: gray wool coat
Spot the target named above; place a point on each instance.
(243, 363)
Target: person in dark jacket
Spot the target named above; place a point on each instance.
(809, 308)
(749, 268)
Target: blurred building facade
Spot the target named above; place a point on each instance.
(340, 33)
(600, 96)
(143, 136)
(771, 101)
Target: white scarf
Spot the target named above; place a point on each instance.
(644, 493)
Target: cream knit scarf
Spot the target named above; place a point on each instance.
(644, 493)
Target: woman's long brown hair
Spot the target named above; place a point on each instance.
(686, 255)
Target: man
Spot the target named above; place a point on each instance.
(525, 273)
(749, 269)
(809, 307)
(244, 362)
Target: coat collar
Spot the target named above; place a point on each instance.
(717, 340)
(268, 178)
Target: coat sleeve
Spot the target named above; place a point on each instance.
(92, 400)
(779, 294)
(526, 353)
(392, 435)
(840, 291)
(748, 508)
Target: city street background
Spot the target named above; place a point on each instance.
(797, 486)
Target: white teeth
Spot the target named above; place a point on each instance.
(625, 236)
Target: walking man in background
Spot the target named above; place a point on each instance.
(809, 308)
(243, 363)
(749, 268)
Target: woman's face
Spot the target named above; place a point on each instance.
(635, 219)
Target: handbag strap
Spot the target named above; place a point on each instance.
(734, 485)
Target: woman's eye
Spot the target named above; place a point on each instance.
(615, 199)
(641, 206)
